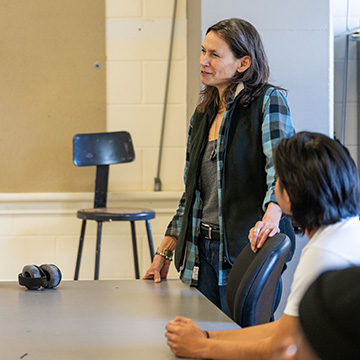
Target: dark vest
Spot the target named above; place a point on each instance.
(244, 177)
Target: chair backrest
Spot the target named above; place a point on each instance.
(254, 279)
(102, 150)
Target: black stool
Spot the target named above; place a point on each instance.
(102, 150)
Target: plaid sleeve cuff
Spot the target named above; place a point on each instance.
(174, 226)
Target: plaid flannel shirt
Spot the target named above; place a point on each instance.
(276, 125)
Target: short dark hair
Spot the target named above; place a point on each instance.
(320, 178)
(243, 39)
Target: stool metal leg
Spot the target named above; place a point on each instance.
(150, 239)
(98, 248)
(136, 262)
(81, 243)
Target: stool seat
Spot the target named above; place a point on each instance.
(116, 214)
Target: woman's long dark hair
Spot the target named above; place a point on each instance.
(243, 39)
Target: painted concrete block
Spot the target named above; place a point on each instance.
(127, 176)
(145, 49)
(164, 8)
(154, 81)
(123, 8)
(16, 252)
(123, 82)
(147, 119)
(172, 169)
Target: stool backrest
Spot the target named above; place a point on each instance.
(102, 150)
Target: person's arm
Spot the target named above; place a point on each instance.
(250, 333)
(160, 265)
(175, 224)
(186, 339)
(276, 125)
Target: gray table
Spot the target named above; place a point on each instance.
(106, 319)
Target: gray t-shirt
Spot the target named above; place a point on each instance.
(208, 186)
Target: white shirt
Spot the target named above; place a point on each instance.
(331, 247)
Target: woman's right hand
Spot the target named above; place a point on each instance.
(159, 268)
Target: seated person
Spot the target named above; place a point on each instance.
(329, 318)
(318, 185)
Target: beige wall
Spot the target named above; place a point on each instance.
(43, 228)
(137, 48)
(194, 40)
(38, 228)
(50, 90)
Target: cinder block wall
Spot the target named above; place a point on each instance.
(42, 227)
(137, 50)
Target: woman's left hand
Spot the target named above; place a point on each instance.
(268, 227)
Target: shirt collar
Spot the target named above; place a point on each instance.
(238, 90)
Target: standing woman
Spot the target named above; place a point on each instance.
(229, 195)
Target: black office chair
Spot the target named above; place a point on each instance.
(254, 284)
(102, 150)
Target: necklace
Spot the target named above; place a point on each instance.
(214, 150)
(216, 121)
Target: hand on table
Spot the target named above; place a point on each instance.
(185, 338)
(158, 270)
